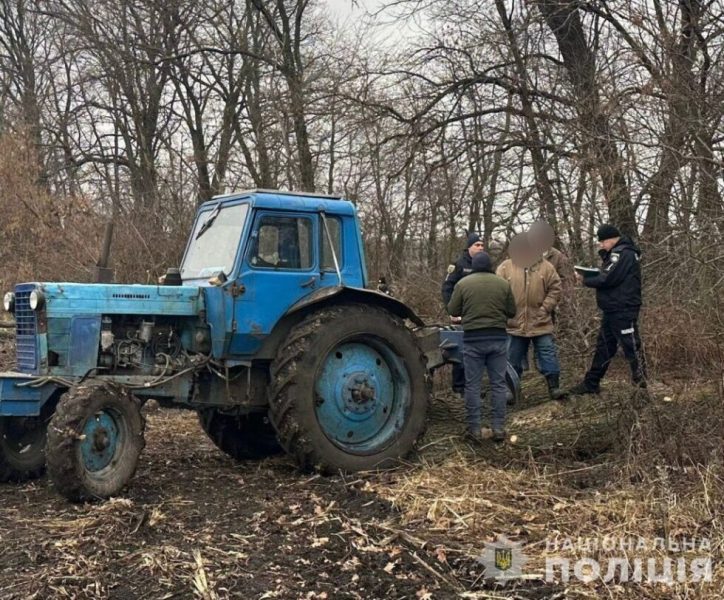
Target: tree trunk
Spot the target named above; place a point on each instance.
(564, 21)
(681, 93)
(543, 184)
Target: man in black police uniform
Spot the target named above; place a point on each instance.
(618, 295)
(463, 266)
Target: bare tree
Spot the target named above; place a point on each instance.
(24, 70)
(599, 141)
(285, 20)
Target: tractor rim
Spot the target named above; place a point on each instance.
(104, 434)
(362, 395)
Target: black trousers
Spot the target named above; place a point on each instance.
(458, 377)
(617, 329)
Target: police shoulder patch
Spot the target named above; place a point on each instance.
(450, 269)
(614, 257)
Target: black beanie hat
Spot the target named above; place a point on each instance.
(607, 231)
(473, 238)
(482, 263)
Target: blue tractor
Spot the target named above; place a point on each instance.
(266, 331)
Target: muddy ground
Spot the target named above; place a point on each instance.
(196, 524)
(193, 523)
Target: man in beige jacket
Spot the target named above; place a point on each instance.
(541, 237)
(537, 289)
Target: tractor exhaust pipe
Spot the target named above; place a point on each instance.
(104, 274)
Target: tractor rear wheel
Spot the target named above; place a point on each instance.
(94, 440)
(350, 389)
(242, 437)
(22, 447)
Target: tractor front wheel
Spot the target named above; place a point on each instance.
(241, 437)
(349, 390)
(22, 447)
(94, 440)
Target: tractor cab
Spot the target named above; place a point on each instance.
(256, 254)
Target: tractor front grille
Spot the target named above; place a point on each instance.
(26, 330)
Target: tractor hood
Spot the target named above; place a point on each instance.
(67, 299)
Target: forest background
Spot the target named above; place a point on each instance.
(435, 118)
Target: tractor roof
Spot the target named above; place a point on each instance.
(283, 200)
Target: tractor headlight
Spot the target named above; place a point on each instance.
(9, 302)
(36, 300)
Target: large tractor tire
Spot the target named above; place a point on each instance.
(350, 390)
(245, 437)
(94, 440)
(22, 446)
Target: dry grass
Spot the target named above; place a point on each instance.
(544, 489)
(193, 524)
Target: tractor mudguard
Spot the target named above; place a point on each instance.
(360, 295)
(23, 395)
(326, 296)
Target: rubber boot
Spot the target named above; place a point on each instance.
(554, 389)
(582, 388)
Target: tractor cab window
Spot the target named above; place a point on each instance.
(283, 243)
(334, 226)
(214, 241)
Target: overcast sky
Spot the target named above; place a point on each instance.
(344, 9)
(387, 31)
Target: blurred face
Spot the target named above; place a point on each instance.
(476, 248)
(541, 237)
(520, 251)
(608, 245)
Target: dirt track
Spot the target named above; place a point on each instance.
(196, 524)
(193, 523)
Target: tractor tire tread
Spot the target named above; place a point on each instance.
(10, 472)
(64, 431)
(240, 441)
(285, 375)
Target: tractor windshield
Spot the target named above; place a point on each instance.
(214, 241)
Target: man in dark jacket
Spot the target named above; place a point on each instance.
(618, 295)
(463, 266)
(485, 302)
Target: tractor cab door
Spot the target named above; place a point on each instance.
(280, 265)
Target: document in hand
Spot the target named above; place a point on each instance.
(587, 271)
